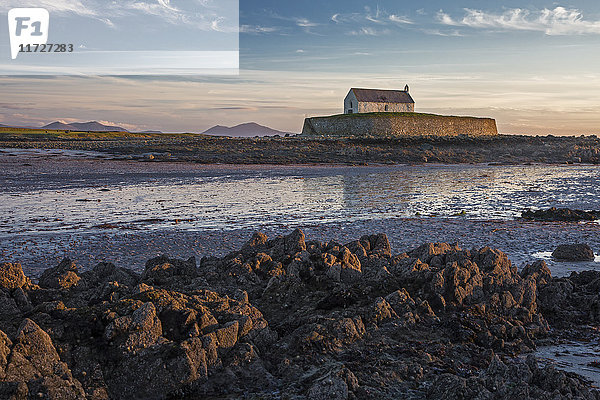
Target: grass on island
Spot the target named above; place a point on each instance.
(396, 114)
(30, 133)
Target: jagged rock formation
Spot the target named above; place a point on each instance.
(560, 214)
(574, 252)
(285, 315)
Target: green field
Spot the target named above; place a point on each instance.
(27, 133)
(396, 114)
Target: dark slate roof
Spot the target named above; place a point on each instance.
(382, 96)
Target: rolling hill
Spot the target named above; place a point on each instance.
(93, 126)
(249, 129)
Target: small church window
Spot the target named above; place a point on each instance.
(351, 105)
(386, 107)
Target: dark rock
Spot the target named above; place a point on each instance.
(8, 307)
(568, 302)
(156, 372)
(63, 276)
(108, 272)
(161, 270)
(573, 252)
(11, 276)
(21, 300)
(255, 245)
(281, 248)
(330, 387)
(426, 252)
(227, 335)
(179, 323)
(5, 346)
(33, 354)
(35, 362)
(539, 271)
(137, 331)
(312, 319)
(560, 214)
(376, 245)
(511, 380)
(14, 391)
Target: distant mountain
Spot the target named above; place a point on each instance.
(93, 126)
(97, 127)
(15, 126)
(243, 130)
(59, 126)
(18, 126)
(150, 132)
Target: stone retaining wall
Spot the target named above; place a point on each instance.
(398, 124)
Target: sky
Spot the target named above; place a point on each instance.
(534, 66)
(129, 37)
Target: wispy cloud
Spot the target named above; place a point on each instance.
(371, 22)
(202, 15)
(444, 33)
(400, 19)
(367, 31)
(305, 23)
(167, 4)
(108, 22)
(291, 22)
(377, 16)
(257, 29)
(74, 7)
(558, 21)
(53, 6)
(377, 22)
(446, 19)
(220, 24)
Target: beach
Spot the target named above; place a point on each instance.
(156, 263)
(59, 203)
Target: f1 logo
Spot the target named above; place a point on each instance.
(27, 26)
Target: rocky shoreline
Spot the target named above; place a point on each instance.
(291, 318)
(554, 214)
(503, 149)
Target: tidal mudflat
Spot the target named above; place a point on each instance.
(205, 149)
(356, 304)
(63, 203)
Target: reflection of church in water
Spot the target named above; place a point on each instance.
(386, 191)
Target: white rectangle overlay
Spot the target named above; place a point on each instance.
(113, 38)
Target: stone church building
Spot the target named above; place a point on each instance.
(375, 100)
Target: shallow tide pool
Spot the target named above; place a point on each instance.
(233, 197)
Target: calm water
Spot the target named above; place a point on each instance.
(223, 197)
(574, 357)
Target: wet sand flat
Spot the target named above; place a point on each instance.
(59, 203)
(521, 241)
